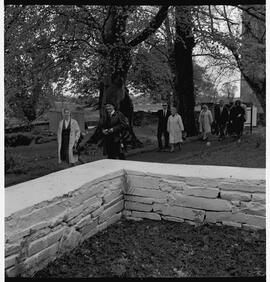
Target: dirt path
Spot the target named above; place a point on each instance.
(249, 153)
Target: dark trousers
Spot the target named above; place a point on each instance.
(166, 137)
(222, 127)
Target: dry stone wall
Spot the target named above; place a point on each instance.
(37, 235)
(73, 205)
(233, 202)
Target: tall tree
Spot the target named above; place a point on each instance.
(183, 46)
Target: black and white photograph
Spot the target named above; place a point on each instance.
(135, 139)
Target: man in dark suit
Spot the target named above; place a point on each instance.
(112, 127)
(163, 116)
(221, 118)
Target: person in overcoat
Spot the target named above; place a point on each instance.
(163, 116)
(175, 127)
(112, 126)
(221, 115)
(205, 121)
(68, 135)
(238, 118)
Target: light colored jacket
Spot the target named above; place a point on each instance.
(73, 137)
(205, 121)
(175, 127)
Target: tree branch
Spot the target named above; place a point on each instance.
(153, 26)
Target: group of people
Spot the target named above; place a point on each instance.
(227, 120)
(112, 125)
(230, 119)
(170, 125)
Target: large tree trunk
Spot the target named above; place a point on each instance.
(184, 43)
(117, 60)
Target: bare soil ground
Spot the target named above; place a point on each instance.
(164, 249)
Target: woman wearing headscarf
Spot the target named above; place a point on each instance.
(68, 135)
(175, 127)
(205, 121)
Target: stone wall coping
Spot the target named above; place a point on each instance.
(56, 184)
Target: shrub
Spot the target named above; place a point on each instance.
(14, 163)
(18, 139)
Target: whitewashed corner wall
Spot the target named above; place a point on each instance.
(48, 216)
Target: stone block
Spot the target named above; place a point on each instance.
(252, 227)
(149, 215)
(84, 221)
(202, 182)
(88, 191)
(10, 260)
(114, 219)
(232, 196)
(190, 222)
(44, 242)
(74, 212)
(255, 220)
(112, 195)
(70, 240)
(258, 197)
(148, 193)
(241, 186)
(172, 218)
(232, 223)
(113, 202)
(11, 272)
(181, 212)
(38, 226)
(201, 192)
(214, 217)
(53, 210)
(88, 235)
(143, 181)
(15, 236)
(138, 199)
(109, 212)
(168, 185)
(138, 206)
(75, 220)
(55, 236)
(255, 208)
(126, 213)
(134, 218)
(143, 199)
(11, 249)
(58, 219)
(102, 226)
(89, 209)
(179, 199)
(48, 253)
(39, 234)
(98, 211)
(93, 203)
(91, 225)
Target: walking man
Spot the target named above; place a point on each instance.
(163, 116)
(221, 117)
(112, 127)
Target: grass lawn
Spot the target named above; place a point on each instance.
(41, 159)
